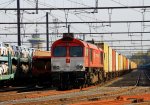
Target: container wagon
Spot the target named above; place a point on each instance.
(41, 67)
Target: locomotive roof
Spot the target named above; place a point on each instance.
(86, 44)
(90, 45)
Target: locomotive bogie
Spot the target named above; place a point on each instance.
(68, 79)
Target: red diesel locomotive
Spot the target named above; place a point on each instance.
(75, 63)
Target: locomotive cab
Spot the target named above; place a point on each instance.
(67, 55)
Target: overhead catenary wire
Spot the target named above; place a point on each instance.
(40, 3)
(123, 5)
(106, 41)
(6, 2)
(78, 22)
(130, 46)
(75, 8)
(81, 33)
(78, 3)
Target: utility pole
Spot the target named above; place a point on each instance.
(47, 32)
(18, 22)
(96, 6)
(68, 28)
(36, 6)
(84, 37)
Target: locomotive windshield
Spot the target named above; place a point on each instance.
(76, 51)
(59, 51)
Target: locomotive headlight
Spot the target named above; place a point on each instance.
(80, 66)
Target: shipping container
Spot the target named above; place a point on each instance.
(124, 63)
(110, 59)
(130, 64)
(41, 65)
(113, 60)
(105, 48)
(122, 57)
(120, 62)
(127, 64)
(123, 60)
(117, 65)
(133, 65)
(41, 53)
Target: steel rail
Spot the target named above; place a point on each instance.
(138, 79)
(147, 76)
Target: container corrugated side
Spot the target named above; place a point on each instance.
(104, 47)
(120, 62)
(117, 63)
(124, 63)
(113, 60)
(110, 59)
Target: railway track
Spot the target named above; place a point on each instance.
(87, 94)
(147, 75)
(138, 80)
(143, 78)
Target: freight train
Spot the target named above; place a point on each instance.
(76, 63)
(70, 63)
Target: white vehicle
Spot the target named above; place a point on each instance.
(3, 49)
(31, 51)
(1, 70)
(15, 49)
(9, 48)
(24, 51)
